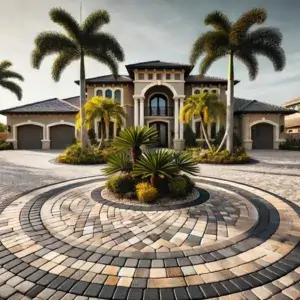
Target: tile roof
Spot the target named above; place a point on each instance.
(108, 79)
(157, 64)
(291, 102)
(49, 106)
(206, 79)
(254, 106)
(72, 101)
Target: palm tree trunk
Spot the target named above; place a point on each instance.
(222, 142)
(83, 135)
(230, 105)
(103, 131)
(205, 134)
(136, 153)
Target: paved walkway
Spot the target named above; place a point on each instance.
(64, 241)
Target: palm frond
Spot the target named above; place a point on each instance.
(271, 35)
(12, 87)
(250, 61)
(185, 163)
(209, 59)
(61, 62)
(119, 162)
(255, 16)
(106, 43)
(66, 20)
(6, 74)
(132, 137)
(47, 43)
(219, 21)
(105, 59)
(155, 163)
(5, 64)
(95, 21)
(274, 53)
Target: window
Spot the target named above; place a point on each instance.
(213, 130)
(205, 91)
(158, 76)
(198, 130)
(214, 91)
(291, 130)
(108, 93)
(111, 130)
(118, 130)
(118, 96)
(150, 76)
(177, 76)
(141, 76)
(100, 131)
(197, 92)
(99, 93)
(168, 76)
(158, 105)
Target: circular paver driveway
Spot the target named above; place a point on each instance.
(63, 241)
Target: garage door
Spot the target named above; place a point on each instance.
(61, 136)
(262, 136)
(29, 137)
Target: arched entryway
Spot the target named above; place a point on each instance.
(262, 135)
(163, 133)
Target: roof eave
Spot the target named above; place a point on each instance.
(263, 112)
(39, 113)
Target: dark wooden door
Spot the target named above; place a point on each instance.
(262, 136)
(29, 137)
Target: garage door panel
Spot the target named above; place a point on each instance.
(61, 136)
(29, 137)
(262, 136)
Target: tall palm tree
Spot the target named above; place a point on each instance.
(205, 106)
(79, 41)
(239, 41)
(104, 109)
(5, 79)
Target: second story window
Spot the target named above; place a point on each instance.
(141, 76)
(108, 93)
(177, 76)
(150, 76)
(158, 105)
(197, 92)
(99, 93)
(118, 96)
(158, 76)
(168, 76)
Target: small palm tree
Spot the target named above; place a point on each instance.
(205, 106)
(80, 41)
(119, 162)
(237, 40)
(185, 163)
(105, 110)
(134, 138)
(5, 79)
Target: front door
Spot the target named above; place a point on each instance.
(162, 138)
(262, 136)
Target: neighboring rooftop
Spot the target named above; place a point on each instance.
(255, 106)
(291, 102)
(49, 106)
(108, 79)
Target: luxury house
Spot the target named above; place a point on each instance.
(292, 122)
(152, 94)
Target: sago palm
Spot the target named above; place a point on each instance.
(5, 79)
(104, 109)
(134, 138)
(79, 41)
(237, 40)
(206, 107)
(119, 162)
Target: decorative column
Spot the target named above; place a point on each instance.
(176, 118)
(142, 111)
(136, 111)
(180, 124)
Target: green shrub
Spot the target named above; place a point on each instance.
(224, 157)
(237, 142)
(146, 192)
(189, 136)
(190, 184)
(74, 154)
(6, 146)
(121, 184)
(3, 127)
(290, 144)
(178, 186)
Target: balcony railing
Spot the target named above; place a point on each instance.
(159, 111)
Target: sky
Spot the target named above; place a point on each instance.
(147, 30)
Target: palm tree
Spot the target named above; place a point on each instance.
(134, 138)
(239, 41)
(104, 109)
(5, 79)
(80, 41)
(206, 106)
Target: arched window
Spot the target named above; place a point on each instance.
(99, 93)
(205, 91)
(197, 92)
(108, 93)
(214, 91)
(118, 96)
(158, 105)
